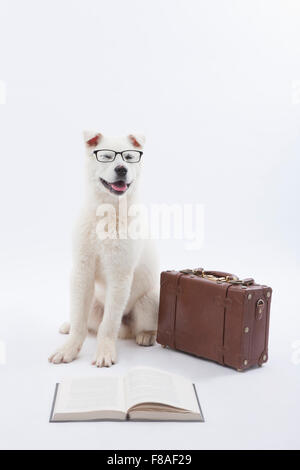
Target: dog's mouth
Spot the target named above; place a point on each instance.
(117, 187)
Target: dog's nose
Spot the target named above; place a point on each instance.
(121, 170)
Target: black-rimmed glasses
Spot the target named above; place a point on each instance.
(129, 156)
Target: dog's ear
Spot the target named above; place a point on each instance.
(137, 140)
(91, 138)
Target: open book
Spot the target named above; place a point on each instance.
(141, 394)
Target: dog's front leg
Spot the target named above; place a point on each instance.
(82, 290)
(117, 295)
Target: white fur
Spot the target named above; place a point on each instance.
(113, 278)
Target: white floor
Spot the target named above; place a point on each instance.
(257, 409)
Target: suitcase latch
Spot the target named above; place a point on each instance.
(260, 306)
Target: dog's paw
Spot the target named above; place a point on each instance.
(65, 328)
(106, 354)
(66, 353)
(146, 338)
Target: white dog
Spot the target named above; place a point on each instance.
(114, 287)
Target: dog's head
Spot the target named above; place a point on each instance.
(114, 162)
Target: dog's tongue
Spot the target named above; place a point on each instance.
(121, 186)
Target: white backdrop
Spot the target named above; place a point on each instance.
(215, 86)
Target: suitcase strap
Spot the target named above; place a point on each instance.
(174, 313)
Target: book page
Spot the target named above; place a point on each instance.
(147, 385)
(90, 394)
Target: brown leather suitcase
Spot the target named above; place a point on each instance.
(216, 316)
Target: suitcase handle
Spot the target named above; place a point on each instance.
(219, 276)
(227, 277)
